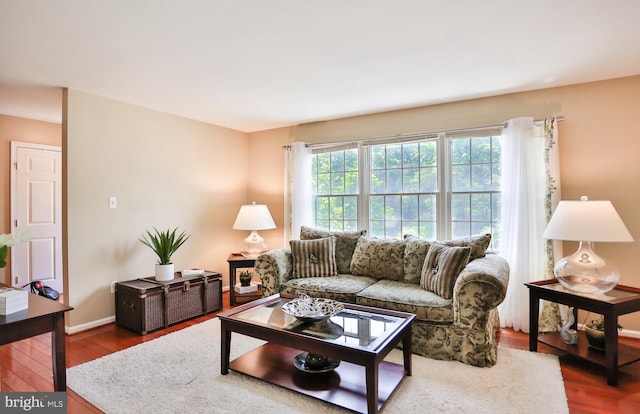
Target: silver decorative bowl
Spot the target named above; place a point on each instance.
(308, 309)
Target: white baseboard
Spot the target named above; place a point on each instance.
(627, 333)
(70, 330)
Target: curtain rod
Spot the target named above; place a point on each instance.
(419, 134)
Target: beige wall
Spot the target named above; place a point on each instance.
(23, 130)
(165, 171)
(266, 180)
(599, 146)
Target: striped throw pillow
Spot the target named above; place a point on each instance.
(441, 268)
(345, 244)
(314, 258)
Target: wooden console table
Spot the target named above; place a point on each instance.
(619, 301)
(43, 315)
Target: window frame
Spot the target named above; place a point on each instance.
(444, 192)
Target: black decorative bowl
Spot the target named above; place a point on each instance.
(315, 364)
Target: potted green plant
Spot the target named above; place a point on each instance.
(164, 244)
(594, 331)
(245, 278)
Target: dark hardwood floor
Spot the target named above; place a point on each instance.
(26, 366)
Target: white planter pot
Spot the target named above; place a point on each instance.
(164, 272)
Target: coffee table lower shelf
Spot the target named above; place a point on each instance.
(344, 387)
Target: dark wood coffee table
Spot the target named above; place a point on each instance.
(360, 337)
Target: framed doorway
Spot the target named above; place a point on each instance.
(36, 206)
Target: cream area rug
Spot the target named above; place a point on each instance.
(180, 373)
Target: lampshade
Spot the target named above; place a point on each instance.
(584, 220)
(587, 222)
(253, 217)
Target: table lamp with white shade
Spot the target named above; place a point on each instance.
(253, 217)
(587, 222)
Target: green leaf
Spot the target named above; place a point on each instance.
(4, 251)
(164, 243)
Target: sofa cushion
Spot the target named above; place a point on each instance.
(343, 288)
(314, 258)
(345, 244)
(441, 268)
(414, 254)
(407, 297)
(379, 258)
(478, 244)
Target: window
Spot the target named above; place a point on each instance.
(335, 188)
(475, 187)
(437, 187)
(404, 189)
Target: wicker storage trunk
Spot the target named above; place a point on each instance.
(145, 305)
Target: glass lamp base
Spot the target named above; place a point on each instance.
(586, 284)
(253, 246)
(586, 272)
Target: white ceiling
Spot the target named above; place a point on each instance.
(254, 64)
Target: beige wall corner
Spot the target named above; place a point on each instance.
(266, 177)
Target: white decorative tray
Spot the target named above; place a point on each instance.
(308, 309)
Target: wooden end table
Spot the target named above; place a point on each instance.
(619, 301)
(43, 315)
(238, 261)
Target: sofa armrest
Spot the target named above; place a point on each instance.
(480, 287)
(274, 268)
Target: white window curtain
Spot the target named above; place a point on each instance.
(297, 194)
(530, 188)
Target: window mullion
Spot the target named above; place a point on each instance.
(364, 182)
(444, 187)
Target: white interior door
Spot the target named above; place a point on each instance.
(36, 200)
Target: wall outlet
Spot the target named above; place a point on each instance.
(113, 286)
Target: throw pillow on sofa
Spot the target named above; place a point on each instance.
(441, 268)
(419, 247)
(345, 244)
(414, 254)
(478, 244)
(379, 258)
(314, 258)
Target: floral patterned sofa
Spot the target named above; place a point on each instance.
(453, 287)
